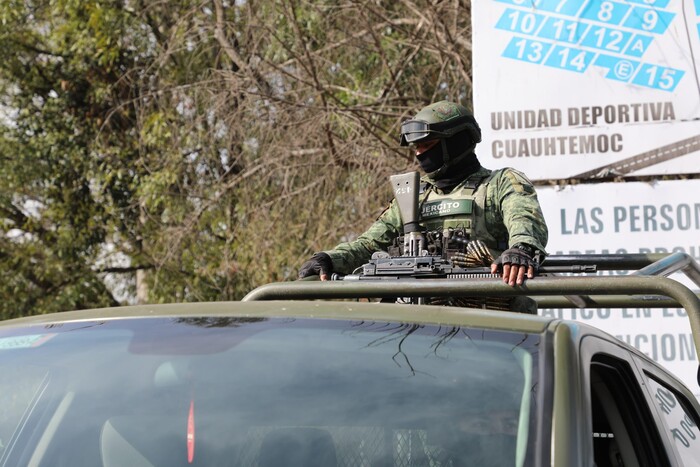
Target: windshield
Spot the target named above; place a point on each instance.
(250, 391)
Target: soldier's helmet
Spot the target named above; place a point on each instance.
(441, 120)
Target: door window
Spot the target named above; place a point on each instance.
(681, 422)
(624, 432)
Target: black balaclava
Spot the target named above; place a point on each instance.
(462, 161)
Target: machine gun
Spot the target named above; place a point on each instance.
(422, 254)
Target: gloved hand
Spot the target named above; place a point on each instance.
(515, 262)
(319, 264)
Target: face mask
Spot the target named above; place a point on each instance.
(458, 146)
(431, 160)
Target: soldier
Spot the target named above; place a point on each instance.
(499, 207)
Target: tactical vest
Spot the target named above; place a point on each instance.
(462, 209)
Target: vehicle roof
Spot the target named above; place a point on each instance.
(424, 314)
(304, 299)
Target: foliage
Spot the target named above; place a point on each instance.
(192, 150)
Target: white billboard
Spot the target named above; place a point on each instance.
(634, 217)
(585, 88)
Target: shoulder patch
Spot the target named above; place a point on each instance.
(520, 182)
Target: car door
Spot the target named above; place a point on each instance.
(623, 427)
(676, 412)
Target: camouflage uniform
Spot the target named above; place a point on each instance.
(498, 208)
(506, 212)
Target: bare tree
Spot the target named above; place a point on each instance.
(292, 132)
(234, 138)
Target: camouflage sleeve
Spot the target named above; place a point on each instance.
(349, 256)
(515, 201)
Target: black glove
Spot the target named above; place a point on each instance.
(320, 263)
(519, 255)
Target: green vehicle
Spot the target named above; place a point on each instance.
(323, 374)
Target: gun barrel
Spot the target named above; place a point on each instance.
(408, 272)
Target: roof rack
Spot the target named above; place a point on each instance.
(644, 287)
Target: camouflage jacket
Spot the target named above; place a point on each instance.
(511, 212)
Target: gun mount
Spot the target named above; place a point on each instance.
(564, 281)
